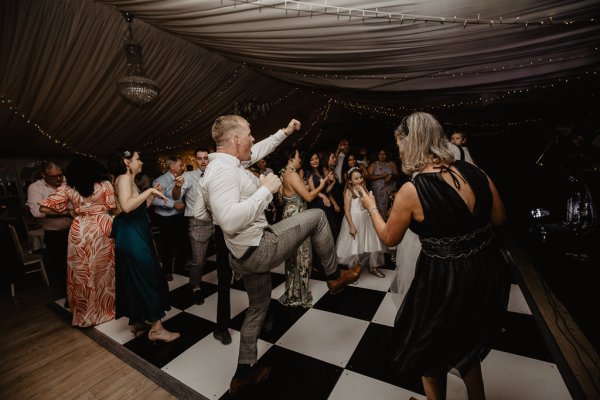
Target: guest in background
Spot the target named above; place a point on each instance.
(458, 297)
(314, 175)
(143, 182)
(358, 241)
(261, 166)
(459, 139)
(142, 291)
(299, 265)
(351, 161)
(91, 253)
(334, 190)
(382, 174)
(56, 225)
(199, 231)
(171, 221)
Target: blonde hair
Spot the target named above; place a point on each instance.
(423, 141)
(225, 126)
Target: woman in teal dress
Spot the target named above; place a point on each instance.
(142, 293)
(298, 267)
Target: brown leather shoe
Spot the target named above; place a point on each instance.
(254, 376)
(356, 269)
(337, 285)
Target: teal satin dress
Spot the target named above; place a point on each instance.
(142, 293)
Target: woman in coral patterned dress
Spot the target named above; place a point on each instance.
(91, 253)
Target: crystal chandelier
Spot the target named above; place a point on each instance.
(135, 86)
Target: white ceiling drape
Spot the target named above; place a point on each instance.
(60, 61)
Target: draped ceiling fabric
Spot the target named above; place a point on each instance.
(60, 61)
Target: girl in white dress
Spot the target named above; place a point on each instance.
(357, 240)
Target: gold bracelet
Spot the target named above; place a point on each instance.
(370, 210)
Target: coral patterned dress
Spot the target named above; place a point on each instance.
(91, 253)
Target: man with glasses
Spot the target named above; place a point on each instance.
(56, 227)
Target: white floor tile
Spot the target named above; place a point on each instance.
(317, 287)
(386, 313)
(198, 368)
(208, 310)
(517, 302)
(61, 302)
(117, 330)
(352, 385)
(370, 281)
(510, 376)
(279, 269)
(178, 281)
(337, 336)
(211, 277)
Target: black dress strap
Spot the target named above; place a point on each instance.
(453, 174)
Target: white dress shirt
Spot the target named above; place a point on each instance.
(235, 196)
(38, 191)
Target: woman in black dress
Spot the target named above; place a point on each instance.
(455, 304)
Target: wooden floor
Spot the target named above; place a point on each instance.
(42, 357)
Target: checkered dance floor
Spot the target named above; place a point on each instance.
(335, 350)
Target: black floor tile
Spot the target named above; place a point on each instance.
(293, 376)
(353, 302)
(372, 358)
(191, 328)
(521, 336)
(181, 297)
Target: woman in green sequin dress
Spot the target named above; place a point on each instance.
(298, 267)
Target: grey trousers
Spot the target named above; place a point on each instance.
(199, 233)
(278, 243)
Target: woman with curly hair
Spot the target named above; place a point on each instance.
(90, 253)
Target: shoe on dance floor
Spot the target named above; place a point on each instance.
(254, 376)
(198, 297)
(162, 335)
(346, 277)
(222, 336)
(377, 272)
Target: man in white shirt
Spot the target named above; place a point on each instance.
(199, 231)
(237, 200)
(56, 227)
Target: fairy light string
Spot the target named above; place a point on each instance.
(303, 8)
(7, 102)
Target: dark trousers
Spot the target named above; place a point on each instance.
(173, 239)
(224, 275)
(56, 256)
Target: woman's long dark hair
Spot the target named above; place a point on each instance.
(82, 173)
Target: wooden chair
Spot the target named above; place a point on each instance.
(27, 259)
